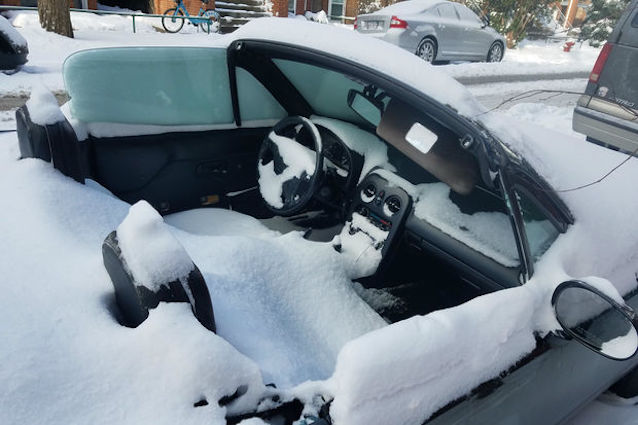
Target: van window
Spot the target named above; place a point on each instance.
(634, 23)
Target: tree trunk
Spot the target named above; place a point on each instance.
(55, 16)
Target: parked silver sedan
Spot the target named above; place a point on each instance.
(435, 30)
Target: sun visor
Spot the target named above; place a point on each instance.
(445, 159)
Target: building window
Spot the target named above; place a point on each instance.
(337, 9)
(291, 6)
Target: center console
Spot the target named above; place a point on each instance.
(378, 212)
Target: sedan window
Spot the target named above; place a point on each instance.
(540, 231)
(447, 11)
(466, 14)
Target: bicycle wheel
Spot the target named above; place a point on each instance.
(170, 22)
(214, 19)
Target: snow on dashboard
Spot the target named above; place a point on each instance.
(150, 251)
(489, 233)
(366, 144)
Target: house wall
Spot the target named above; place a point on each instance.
(160, 6)
(351, 7)
(280, 8)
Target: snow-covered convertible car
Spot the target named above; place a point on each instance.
(483, 274)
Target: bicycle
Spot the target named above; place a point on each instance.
(173, 19)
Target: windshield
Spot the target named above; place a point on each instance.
(326, 91)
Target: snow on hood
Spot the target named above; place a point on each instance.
(387, 58)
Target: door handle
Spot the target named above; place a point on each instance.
(212, 168)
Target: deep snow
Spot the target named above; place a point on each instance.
(73, 358)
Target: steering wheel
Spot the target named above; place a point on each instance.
(289, 172)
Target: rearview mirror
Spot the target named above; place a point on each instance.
(366, 107)
(596, 320)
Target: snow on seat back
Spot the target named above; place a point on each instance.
(149, 85)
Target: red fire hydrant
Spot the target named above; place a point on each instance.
(567, 47)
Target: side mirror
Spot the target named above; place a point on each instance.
(366, 107)
(596, 320)
(486, 20)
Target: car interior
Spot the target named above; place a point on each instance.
(303, 147)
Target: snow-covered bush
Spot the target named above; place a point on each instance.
(601, 19)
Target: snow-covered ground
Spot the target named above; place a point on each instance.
(58, 316)
(48, 51)
(532, 57)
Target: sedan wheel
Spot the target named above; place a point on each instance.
(496, 53)
(426, 50)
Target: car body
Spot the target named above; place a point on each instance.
(469, 231)
(13, 47)
(434, 31)
(608, 111)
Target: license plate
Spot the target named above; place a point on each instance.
(373, 25)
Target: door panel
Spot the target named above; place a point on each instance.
(546, 387)
(179, 171)
(449, 31)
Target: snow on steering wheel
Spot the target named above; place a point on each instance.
(289, 172)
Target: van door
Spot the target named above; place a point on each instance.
(618, 81)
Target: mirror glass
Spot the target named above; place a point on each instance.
(364, 107)
(595, 321)
(421, 138)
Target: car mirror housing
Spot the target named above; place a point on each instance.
(596, 320)
(366, 107)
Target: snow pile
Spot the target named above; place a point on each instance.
(298, 160)
(403, 373)
(531, 57)
(43, 107)
(11, 35)
(320, 17)
(152, 254)
(64, 358)
(275, 296)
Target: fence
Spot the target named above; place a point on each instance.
(107, 12)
